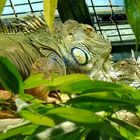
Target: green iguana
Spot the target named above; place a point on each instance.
(128, 71)
(71, 48)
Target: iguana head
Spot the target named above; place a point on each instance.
(127, 71)
(84, 50)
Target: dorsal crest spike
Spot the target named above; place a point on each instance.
(23, 25)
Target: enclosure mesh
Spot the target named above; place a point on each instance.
(108, 19)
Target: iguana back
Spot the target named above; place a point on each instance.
(18, 41)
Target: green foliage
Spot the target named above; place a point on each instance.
(36, 118)
(87, 115)
(49, 7)
(35, 80)
(10, 77)
(133, 14)
(24, 130)
(79, 113)
(2, 3)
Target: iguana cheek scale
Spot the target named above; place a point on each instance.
(71, 48)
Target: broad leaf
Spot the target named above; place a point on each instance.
(133, 130)
(35, 81)
(73, 114)
(106, 129)
(49, 12)
(35, 136)
(36, 118)
(85, 118)
(9, 76)
(133, 14)
(79, 83)
(2, 3)
(27, 129)
(105, 97)
(63, 131)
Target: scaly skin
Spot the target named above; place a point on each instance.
(71, 48)
(128, 72)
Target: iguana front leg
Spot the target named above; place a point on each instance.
(50, 65)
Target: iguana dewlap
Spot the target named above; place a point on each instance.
(71, 48)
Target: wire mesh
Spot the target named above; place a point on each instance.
(17, 8)
(109, 18)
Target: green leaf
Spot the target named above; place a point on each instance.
(68, 79)
(49, 12)
(96, 102)
(35, 80)
(34, 135)
(85, 118)
(79, 83)
(73, 114)
(27, 129)
(136, 94)
(2, 4)
(97, 106)
(103, 130)
(134, 130)
(63, 131)
(36, 118)
(93, 135)
(104, 97)
(9, 76)
(106, 129)
(133, 14)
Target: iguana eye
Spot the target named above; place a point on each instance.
(80, 56)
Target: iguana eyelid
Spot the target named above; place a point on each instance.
(81, 56)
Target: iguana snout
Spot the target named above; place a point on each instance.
(84, 50)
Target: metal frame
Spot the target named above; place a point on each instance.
(111, 22)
